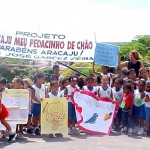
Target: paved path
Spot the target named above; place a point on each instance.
(115, 141)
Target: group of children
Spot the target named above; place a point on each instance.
(131, 94)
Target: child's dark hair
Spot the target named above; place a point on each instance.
(119, 80)
(53, 83)
(3, 81)
(128, 86)
(38, 76)
(64, 80)
(89, 78)
(142, 81)
(18, 80)
(99, 79)
(129, 71)
(54, 76)
(55, 66)
(71, 78)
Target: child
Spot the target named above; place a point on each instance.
(147, 108)
(118, 93)
(105, 71)
(27, 84)
(17, 84)
(3, 115)
(105, 90)
(126, 105)
(89, 87)
(144, 74)
(139, 107)
(71, 108)
(56, 71)
(38, 92)
(54, 94)
(124, 73)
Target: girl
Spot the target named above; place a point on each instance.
(71, 108)
(27, 84)
(4, 112)
(105, 71)
(147, 108)
(126, 105)
(144, 74)
(89, 87)
(54, 94)
(17, 84)
(139, 107)
(105, 90)
(118, 93)
(38, 92)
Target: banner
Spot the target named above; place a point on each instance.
(94, 116)
(17, 103)
(47, 46)
(54, 115)
(106, 55)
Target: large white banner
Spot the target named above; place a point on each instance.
(47, 46)
(94, 116)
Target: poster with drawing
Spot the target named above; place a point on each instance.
(94, 116)
(17, 103)
(54, 115)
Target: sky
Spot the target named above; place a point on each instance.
(110, 20)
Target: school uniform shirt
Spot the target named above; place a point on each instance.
(51, 95)
(127, 99)
(118, 95)
(92, 90)
(105, 92)
(70, 91)
(39, 92)
(147, 104)
(137, 96)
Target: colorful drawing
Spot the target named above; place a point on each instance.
(107, 116)
(54, 115)
(92, 120)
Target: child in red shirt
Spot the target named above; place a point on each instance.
(126, 106)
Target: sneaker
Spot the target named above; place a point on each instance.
(58, 135)
(51, 136)
(130, 131)
(141, 131)
(30, 131)
(20, 135)
(135, 130)
(75, 130)
(124, 129)
(37, 132)
(69, 131)
(12, 138)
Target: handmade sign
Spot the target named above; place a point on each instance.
(54, 115)
(94, 116)
(106, 54)
(17, 103)
(48, 46)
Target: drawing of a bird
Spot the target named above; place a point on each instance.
(92, 119)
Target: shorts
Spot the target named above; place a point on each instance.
(139, 112)
(71, 112)
(4, 113)
(147, 113)
(36, 109)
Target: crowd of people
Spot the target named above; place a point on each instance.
(130, 89)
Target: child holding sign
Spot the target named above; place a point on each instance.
(139, 107)
(54, 93)
(38, 92)
(3, 116)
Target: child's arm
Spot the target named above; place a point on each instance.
(147, 98)
(112, 95)
(131, 108)
(47, 96)
(34, 97)
(0, 103)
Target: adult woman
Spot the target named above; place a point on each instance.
(133, 63)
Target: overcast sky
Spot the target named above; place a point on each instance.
(111, 20)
